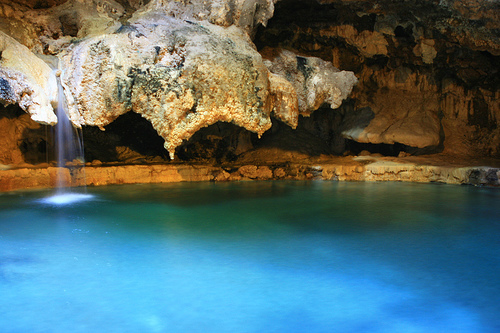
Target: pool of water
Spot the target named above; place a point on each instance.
(252, 257)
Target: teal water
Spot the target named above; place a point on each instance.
(253, 257)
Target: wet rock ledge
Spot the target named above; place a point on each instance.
(361, 168)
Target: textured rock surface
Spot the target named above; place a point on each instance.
(26, 80)
(428, 84)
(315, 81)
(16, 147)
(243, 14)
(406, 112)
(428, 70)
(341, 169)
(180, 76)
(182, 66)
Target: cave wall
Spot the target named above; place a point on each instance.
(427, 74)
(23, 140)
(428, 70)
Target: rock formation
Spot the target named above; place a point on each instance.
(26, 80)
(210, 77)
(182, 66)
(428, 71)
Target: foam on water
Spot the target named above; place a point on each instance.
(66, 198)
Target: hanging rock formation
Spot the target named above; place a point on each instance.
(182, 66)
(313, 81)
(180, 76)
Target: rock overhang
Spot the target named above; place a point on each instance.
(182, 67)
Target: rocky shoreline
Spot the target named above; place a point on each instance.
(360, 168)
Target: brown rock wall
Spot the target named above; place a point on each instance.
(428, 71)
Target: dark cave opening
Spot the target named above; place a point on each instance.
(23, 141)
(357, 148)
(132, 139)
(129, 138)
(37, 150)
(10, 111)
(218, 143)
(402, 32)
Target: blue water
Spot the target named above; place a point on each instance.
(252, 257)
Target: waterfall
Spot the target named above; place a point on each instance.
(69, 153)
(68, 139)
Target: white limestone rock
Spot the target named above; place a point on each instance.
(315, 81)
(179, 75)
(244, 14)
(26, 80)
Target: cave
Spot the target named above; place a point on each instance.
(249, 166)
(421, 92)
(423, 84)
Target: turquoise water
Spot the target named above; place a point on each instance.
(253, 257)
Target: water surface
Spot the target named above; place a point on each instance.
(252, 257)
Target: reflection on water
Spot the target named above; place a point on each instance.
(253, 257)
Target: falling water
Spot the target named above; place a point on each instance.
(69, 152)
(68, 143)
